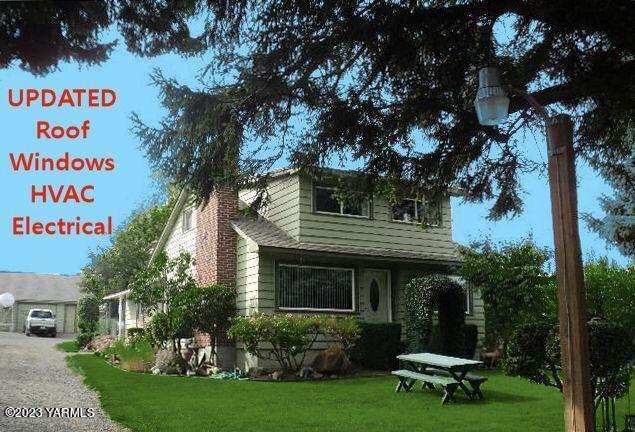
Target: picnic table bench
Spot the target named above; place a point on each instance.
(449, 384)
(449, 372)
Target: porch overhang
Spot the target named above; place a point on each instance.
(117, 295)
(266, 236)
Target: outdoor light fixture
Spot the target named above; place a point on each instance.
(491, 103)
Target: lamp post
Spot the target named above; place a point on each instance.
(492, 107)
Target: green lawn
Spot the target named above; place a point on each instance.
(67, 346)
(145, 402)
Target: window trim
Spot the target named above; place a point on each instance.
(341, 213)
(298, 309)
(415, 221)
(185, 211)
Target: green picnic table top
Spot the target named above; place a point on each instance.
(438, 360)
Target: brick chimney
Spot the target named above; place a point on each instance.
(216, 239)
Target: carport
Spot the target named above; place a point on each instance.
(58, 293)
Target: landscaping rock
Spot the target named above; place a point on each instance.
(331, 360)
(306, 373)
(277, 375)
(257, 372)
(169, 362)
(100, 343)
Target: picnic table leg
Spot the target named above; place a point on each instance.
(460, 376)
(449, 394)
(476, 386)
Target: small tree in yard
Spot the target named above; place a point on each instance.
(533, 352)
(210, 308)
(162, 290)
(514, 285)
(87, 318)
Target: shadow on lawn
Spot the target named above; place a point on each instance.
(499, 397)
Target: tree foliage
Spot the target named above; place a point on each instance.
(617, 227)
(514, 285)
(88, 313)
(533, 352)
(210, 308)
(384, 83)
(112, 269)
(163, 283)
(610, 294)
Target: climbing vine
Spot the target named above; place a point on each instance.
(422, 295)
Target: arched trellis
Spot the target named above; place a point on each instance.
(422, 295)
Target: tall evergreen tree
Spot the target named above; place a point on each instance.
(384, 83)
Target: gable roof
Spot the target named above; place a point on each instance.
(167, 229)
(35, 287)
(266, 235)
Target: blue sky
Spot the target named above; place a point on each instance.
(120, 192)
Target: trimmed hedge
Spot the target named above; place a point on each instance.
(378, 346)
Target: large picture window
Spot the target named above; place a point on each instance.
(325, 202)
(315, 288)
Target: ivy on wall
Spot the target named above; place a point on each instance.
(422, 295)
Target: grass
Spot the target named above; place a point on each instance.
(67, 346)
(144, 402)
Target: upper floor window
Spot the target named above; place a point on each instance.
(417, 211)
(187, 221)
(354, 205)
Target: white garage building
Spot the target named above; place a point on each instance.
(58, 293)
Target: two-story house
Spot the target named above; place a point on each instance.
(308, 252)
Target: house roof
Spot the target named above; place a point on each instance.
(266, 235)
(45, 288)
(167, 229)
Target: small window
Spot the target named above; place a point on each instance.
(315, 288)
(187, 222)
(356, 205)
(417, 211)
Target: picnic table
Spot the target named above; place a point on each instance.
(450, 372)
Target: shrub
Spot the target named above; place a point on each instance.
(160, 328)
(136, 331)
(135, 356)
(610, 294)
(88, 313)
(286, 338)
(422, 294)
(290, 337)
(378, 346)
(345, 330)
(211, 308)
(533, 352)
(84, 338)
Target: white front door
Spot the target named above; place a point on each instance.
(375, 296)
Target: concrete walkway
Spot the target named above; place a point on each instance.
(34, 376)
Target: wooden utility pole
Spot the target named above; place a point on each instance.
(579, 412)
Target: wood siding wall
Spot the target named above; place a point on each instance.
(378, 231)
(282, 208)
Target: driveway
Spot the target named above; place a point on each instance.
(34, 375)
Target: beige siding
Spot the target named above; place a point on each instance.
(378, 232)
(282, 207)
(247, 267)
(179, 241)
